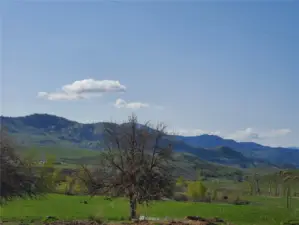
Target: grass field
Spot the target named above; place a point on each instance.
(262, 211)
(59, 152)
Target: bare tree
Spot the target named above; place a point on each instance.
(288, 178)
(17, 177)
(257, 183)
(135, 164)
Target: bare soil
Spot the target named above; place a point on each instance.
(187, 221)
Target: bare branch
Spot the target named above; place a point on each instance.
(135, 163)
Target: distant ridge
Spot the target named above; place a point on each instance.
(46, 129)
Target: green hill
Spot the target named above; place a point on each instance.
(43, 130)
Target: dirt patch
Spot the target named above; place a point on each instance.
(190, 220)
(75, 222)
(186, 221)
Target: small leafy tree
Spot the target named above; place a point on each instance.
(49, 174)
(70, 185)
(277, 183)
(196, 190)
(257, 180)
(250, 184)
(180, 185)
(181, 182)
(18, 178)
(253, 182)
(214, 194)
(136, 164)
(78, 185)
(199, 175)
(288, 178)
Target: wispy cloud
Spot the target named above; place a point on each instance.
(56, 96)
(250, 134)
(120, 103)
(193, 132)
(83, 89)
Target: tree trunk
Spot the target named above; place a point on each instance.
(132, 208)
(288, 193)
(258, 190)
(269, 188)
(277, 190)
(251, 189)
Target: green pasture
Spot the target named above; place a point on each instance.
(262, 210)
(57, 152)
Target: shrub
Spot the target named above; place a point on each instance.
(241, 202)
(180, 197)
(196, 190)
(96, 219)
(180, 188)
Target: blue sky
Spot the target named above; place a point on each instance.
(227, 68)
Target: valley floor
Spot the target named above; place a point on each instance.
(262, 211)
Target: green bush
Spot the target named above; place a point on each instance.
(196, 190)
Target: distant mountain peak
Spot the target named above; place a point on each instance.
(209, 136)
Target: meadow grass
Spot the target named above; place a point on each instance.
(262, 211)
(40, 152)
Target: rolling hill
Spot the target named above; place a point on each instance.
(50, 130)
(278, 155)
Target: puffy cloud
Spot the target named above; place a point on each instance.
(83, 89)
(249, 134)
(120, 103)
(94, 86)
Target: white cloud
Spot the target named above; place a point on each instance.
(58, 96)
(249, 134)
(278, 133)
(83, 89)
(194, 132)
(244, 135)
(94, 86)
(159, 107)
(120, 103)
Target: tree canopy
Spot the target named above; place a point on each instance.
(135, 164)
(17, 176)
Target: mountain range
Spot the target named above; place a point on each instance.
(50, 130)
